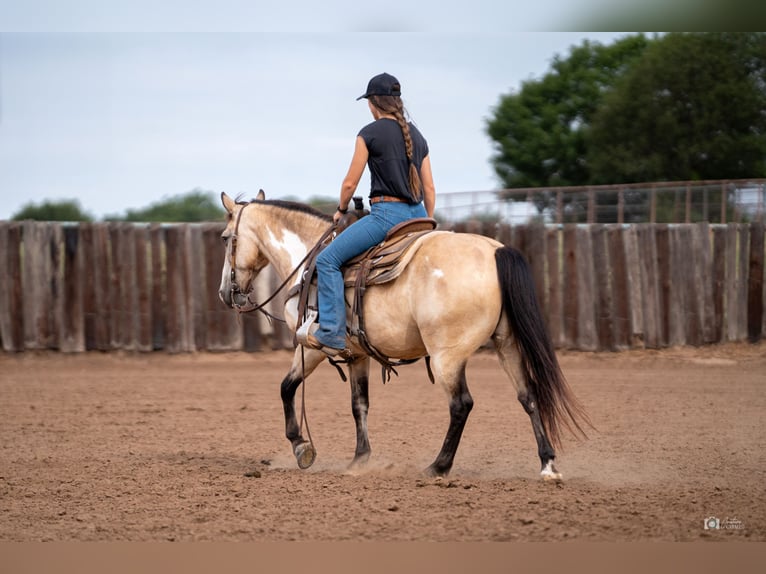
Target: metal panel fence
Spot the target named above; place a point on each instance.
(718, 201)
(133, 287)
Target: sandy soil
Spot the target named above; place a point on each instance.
(109, 447)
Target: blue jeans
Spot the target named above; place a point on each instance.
(355, 239)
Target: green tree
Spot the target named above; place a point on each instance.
(64, 210)
(691, 109)
(196, 205)
(539, 132)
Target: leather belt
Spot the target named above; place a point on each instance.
(387, 198)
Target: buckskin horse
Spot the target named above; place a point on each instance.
(458, 291)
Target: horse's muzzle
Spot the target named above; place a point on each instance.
(225, 296)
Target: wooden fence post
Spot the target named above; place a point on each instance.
(143, 249)
(554, 298)
(195, 287)
(743, 263)
(704, 278)
(114, 293)
(73, 325)
(755, 284)
(586, 289)
(571, 284)
(11, 306)
(670, 293)
(621, 299)
(158, 285)
(719, 284)
(634, 287)
(731, 290)
(127, 293)
(34, 279)
(536, 256)
(694, 286)
(87, 255)
(55, 288)
(603, 289)
(176, 328)
(647, 259)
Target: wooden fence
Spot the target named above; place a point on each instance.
(109, 286)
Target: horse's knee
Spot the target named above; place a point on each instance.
(527, 402)
(461, 404)
(359, 407)
(288, 388)
(360, 396)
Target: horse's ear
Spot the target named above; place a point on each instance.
(228, 203)
(261, 195)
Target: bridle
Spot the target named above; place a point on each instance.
(250, 305)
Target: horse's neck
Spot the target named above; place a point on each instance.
(286, 245)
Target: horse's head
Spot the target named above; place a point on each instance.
(244, 259)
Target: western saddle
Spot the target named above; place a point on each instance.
(380, 264)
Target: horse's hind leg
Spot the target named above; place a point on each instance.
(452, 376)
(360, 404)
(510, 361)
(302, 449)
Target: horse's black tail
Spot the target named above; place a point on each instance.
(556, 403)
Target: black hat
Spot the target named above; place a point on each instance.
(382, 85)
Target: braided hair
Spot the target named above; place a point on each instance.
(393, 105)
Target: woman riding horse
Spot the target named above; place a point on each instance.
(457, 291)
(401, 183)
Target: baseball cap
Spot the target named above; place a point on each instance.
(382, 85)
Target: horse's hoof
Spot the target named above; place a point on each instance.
(305, 455)
(434, 472)
(550, 474)
(359, 462)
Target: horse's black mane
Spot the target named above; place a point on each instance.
(290, 205)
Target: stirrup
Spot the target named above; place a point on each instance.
(301, 335)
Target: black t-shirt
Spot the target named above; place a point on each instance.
(389, 168)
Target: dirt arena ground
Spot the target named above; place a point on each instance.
(154, 447)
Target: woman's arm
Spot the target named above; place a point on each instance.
(355, 171)
(429, 191)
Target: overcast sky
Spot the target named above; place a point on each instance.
(120, 120)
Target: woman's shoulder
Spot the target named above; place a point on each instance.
(417, 134)
(369, 127)
(383, 127)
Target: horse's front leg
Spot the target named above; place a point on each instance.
(360, 404)
(302, 449)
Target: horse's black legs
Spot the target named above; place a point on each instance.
(511, 362)
(460, 407)
(289, 385)
(544, 448)
(302, 449)
(360, 403)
